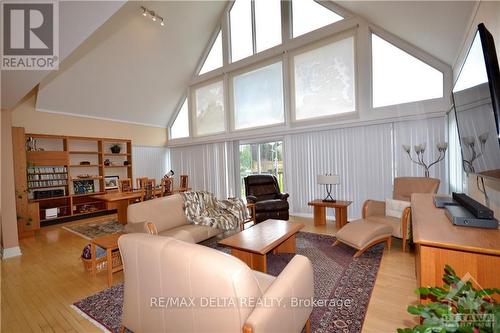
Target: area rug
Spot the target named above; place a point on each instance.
(95, 229)
(343, 282)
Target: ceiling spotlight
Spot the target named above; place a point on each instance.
(152, 14)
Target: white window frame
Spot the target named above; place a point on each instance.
(192, 114)
(311, 47)
(232, 75)
(442, 102)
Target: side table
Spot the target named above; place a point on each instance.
(109, 244)
(320, 207)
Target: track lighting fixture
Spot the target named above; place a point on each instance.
(147, 12)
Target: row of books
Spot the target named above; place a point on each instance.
(46, 183)
(35, 170)
(47, 176)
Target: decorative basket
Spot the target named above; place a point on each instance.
(101, 263)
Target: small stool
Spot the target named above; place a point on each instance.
(362, 234)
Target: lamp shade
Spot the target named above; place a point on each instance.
(328, 179)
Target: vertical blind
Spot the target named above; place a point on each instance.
(210, 167)
(151, 162)
(367, 158)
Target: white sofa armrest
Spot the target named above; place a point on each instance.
(281, 309)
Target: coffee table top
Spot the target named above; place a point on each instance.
(336, 204)
(263, 237)
(109, 241)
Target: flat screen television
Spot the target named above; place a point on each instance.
(476, 100)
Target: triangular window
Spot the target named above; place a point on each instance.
(308, 15)
(214, 58)
(180, 127)
(399, 77)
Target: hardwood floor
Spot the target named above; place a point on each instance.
(39, 286)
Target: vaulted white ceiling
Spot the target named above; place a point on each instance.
(131, 69)
(437, 27)
(77, 21)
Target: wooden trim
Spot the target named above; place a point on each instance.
(152, 228)
(405, 218)
(364, 211)
(362, 250)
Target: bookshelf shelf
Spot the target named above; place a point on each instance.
(53, 155)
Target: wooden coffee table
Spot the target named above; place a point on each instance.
(253, 244)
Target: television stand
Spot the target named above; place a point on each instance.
(438, 242)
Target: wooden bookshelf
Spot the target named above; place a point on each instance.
(66, 152)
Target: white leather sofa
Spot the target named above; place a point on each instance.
(160, 272)
(167, 214)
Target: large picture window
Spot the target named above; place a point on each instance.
(209, 110)
(324, 80)
(308, 15)
(180, 127)
(264, 16)
(258, 97)
(214, 57)
(399, 77)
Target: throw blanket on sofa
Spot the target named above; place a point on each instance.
(203, 208)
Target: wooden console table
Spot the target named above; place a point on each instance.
(320, 211)
(467, 249)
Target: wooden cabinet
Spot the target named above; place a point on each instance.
(76, 166)
(474, 253)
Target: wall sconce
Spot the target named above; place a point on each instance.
(147, 12)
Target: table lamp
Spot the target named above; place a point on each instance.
(329, 180)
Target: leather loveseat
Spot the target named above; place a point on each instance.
(174, 286)
(167, 214)
(264, 192)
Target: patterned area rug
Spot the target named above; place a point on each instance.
(344, 282)
(92, 230)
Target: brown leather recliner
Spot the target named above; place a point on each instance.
(264, 192)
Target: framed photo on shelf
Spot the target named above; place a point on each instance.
(111, 182)
(83, 186)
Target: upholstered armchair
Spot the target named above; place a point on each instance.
(264, 192)
(404, 187)
(159, 269)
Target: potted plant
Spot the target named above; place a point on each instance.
(456, 307)
(116, 148)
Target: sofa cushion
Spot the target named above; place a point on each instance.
(271, 205)
(393, 222)
(165, 212)
(191, 233)
(362, 232)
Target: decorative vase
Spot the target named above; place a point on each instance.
(116, 149)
